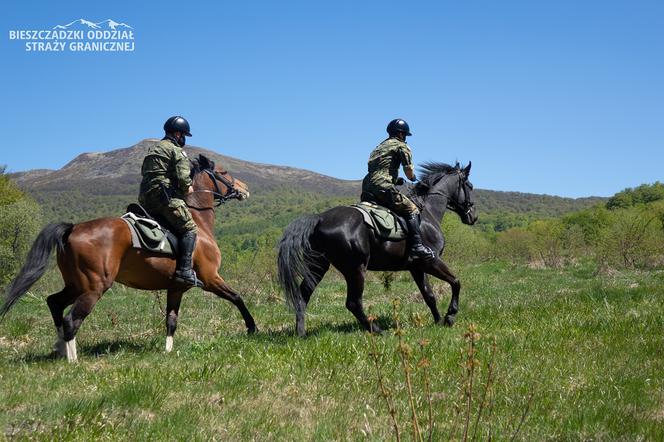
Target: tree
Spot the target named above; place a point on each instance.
(20, 220)
(644, 194)
(9, 191)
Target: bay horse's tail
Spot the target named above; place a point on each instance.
(35, 263)
(297, 259)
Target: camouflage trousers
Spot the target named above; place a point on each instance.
(392, 199)
(174, 212)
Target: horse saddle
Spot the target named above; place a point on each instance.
(385, 223)
(148, 232)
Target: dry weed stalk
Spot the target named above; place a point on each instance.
(424, 364)
(487, 388)
(471, 337)
(474, 408)
(405, 353)
(381, 381)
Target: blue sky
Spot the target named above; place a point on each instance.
(563, 97)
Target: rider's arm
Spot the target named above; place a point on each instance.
(410, 173)
(182, 170)
(407, 162)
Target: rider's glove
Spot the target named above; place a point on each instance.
(400, 181)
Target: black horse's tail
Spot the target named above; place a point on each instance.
(297, 259)
(35, 264)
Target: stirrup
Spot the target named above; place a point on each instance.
(188, 279)
(421, 252)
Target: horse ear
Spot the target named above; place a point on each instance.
(457, 166)
(466, 171)
(203, 161)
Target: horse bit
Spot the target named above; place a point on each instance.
(220, 198)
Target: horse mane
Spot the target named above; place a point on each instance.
(200, 164)
(430, 173)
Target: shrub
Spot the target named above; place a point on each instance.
(634, 238)
(547, 241)
(464, 244)
(590, 221)
(514, 245)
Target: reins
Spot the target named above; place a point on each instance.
(466, 206)
(219, 197)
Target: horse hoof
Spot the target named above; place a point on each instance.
(70, 347)
(252, 331)
(169, 344)
(376, 330)
(59, 349)
(449, 320)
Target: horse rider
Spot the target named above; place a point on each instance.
(379, 184)
(166, 182)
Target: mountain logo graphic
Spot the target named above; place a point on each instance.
(108, 24)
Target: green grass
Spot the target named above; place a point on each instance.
(589, 348)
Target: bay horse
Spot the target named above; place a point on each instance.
(93, 254)
(340, 237)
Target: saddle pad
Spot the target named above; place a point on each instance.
(147, 234)
(383, 221)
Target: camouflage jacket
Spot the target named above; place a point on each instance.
(166, 164)
(384, 164)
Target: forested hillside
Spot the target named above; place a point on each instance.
(102, 184)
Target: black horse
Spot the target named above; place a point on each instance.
(340, 237)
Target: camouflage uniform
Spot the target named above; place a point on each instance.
(379, 183)
(165, 171)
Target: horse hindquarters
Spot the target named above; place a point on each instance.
(89, 264)
(298, 260)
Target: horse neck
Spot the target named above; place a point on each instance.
(204, 219)
(436, 201)
(201, 206)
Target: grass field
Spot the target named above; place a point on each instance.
(579, 357)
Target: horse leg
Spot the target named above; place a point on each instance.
(57, 303)
(173, 298)
(440, 270)
(306, 291)
(355, 288)
(219, 287)
(73, 320)
(425, 289)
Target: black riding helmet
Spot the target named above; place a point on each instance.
(177, 124)
(398, 125)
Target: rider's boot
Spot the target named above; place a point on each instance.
(184, 274)
(417, 249)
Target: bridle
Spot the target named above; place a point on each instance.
(453, 203)
(219, 197)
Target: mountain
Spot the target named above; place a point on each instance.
(112, 24)
(103, 183)
(104, 173)
(80, 21)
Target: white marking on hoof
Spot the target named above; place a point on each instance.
(169, 344)
(71, 350)
(59, 346)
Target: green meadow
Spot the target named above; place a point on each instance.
(536, 354)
